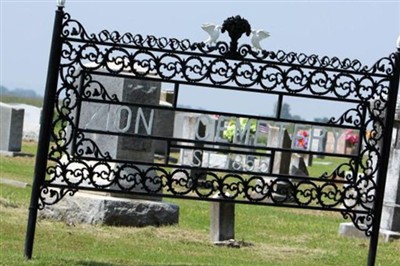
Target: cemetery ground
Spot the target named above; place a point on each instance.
(279, 236)
(38, 102)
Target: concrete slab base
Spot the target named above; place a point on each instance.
(14, 183)
(348, 229)
(106, 210)
(15, 154)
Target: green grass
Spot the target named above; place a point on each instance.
(19, 168)
(317, 168)
(280, 236)
(38, 102)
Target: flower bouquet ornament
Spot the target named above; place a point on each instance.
(351, 140)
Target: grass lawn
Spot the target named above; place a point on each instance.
(38, 102)
(280, 236)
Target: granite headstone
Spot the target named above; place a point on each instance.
(12, 121)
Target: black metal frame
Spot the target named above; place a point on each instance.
(78, 57)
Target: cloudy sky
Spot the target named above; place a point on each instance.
(363, 30)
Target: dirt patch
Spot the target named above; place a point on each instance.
(269, 252)
(313, 212)
(179, 234)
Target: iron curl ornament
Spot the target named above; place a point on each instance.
(72, 157)
(288, 74)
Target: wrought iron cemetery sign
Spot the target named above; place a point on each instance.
(95, 127)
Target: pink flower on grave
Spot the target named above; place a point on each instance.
(351, 138)
(302, 139)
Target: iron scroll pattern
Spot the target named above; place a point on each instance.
(242, 68)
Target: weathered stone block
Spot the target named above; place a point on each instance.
(101, 209)
(222, 221)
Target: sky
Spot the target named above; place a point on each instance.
(363, 30)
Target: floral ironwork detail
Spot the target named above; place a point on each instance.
(236, 27)
(76, 161)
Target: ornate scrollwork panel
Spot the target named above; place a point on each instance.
(77, 160)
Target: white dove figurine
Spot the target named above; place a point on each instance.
(258, 35)
(213, 32)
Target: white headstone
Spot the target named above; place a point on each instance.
(391, 205)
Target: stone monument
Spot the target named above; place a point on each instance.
(222, 221)
(163, 126)
(12, 121)
(130, 118)
(279, 138)
(390, 219)
(390, 222)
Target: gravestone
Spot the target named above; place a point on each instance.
(341, 143)
(31, 126)
(101, 116)
(330, 142)
(390, 222)
(164, 121)
(308, 159)
(222, 220)
(167, 95)
(298, 166)
(197, 159)
(97, 209)
(185, 128)
(390, 219)
(108, 117)
(335, 142)
(279, 138)
(12, 121)
(163, 126)
(319, 143)
(185, 125)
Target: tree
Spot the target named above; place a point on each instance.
(321, 119)
(286, 112)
